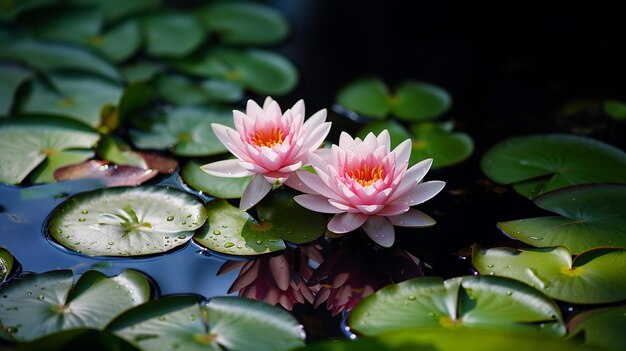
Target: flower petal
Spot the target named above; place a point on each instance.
(412, 218)
(280, 271)
(254, 192)
(316, 203)
(295, 182)
(421, 193)
(346, 222)
(384, 139)
(226, 168)
(412, 176)
(314, 182)
(317, 119)
(403, 152)
(380, 230)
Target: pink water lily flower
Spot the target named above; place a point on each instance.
(365, 184)
(268, 144)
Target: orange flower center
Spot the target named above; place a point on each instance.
(366, 176)
(268, 137)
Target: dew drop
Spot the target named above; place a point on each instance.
(84, 211)
(81, 219)
(29, 293)
(170, 218)
(111, 243)
(184, 222)
(431, 314)
(182, 236)
(509, 293)
(490, 266)
(217, 232)
(40, 297)
(224, 226)
(229, 244)
(412, 298)
(189, 215)
(259, 242)
(161, 318)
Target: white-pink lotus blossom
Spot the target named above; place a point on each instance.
(365, 184)
(268, 144)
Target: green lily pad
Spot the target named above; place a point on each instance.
(430, 140)
(181, 90)
(79, 97)
(263, 72)
(234, 232)
(75, 25)
(40, 304)
(49, 56)
(118, 43)
(452, 340)
(116, 9)
(244, 22)
(26, 142)
(115, 150)
(412, 101)
(470, 302)
(601, 327)
(45, 172)
(232, 323)
(186, 130)
(6, 264)
(126, 221)
(539, 163)
(11, 77)
(10, 9)
(224, 233)
(594, 276)
(220, 187)
(142, 71)
(589, 216)
(78, 339)
(615, 108)
(171, 34)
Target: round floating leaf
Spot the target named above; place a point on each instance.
(602, 327)
(472, 301)
(443, 146)
(40, 304)
(6, 264)
(116, 9)
(171, 34)
(224, 233)
(186, 130)
(48, 56)
(126, 221)
(595, 276)
(225, 322)
(11, 77)
(74, 25)
(78, 339)
(553, 161)
(366, 96)
(141, 71)
(244, 23)
(181, 90)
(412, 100)
(45, 172)
(261, 71)
(419, 101)
(615, 108)
(119, 42)
(79, 97)
(220, 187)
(115, 150)
(589, 216)
(452, 340)
(28, 141)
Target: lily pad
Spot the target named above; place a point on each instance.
(6, 264)
(430, 140)
(45, 172)
(118, 43)
(412, 101)
(261, 71)
(234, 232)
(220, 187)
(126, 221)
(452, 340)
(115, 150)
(181, 90)
(141, 71)
(117, 9)
(601, 327)
(232, 323)
(486, 302)
(40, 304)
(539, 163)
(244, 22)
(186, 130)
(79, 97)
(588, 216)
(48, 56)
(615, 108)
(27, 141)
(75, 25)
(11, 77)
(78, 339)
(594, 276)
(171, 34)
(10, 9)
(224, 233)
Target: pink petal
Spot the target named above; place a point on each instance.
(421, 193)
(346, 222)
(226, 168)
(253, 109)
(393, 209)
(369, 209)
(346, 142)
(384, 139)
(314, 182)
(412, 218)
(316, 203)
(412, 176)
(280, 271)
(317, 119)
(403, 152)
(291, 168)
(232, 144)
(268, 100)
(380, 230)
(315, 138)
(295, 182)
(254, 192)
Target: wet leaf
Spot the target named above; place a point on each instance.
(180, 90)
(615, 108)
(45, 172)
(6, 264)
(78, 339)
(171, 34)
(602, 327)
(11, 77)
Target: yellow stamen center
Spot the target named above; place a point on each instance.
(268, 137)
(366, 176)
